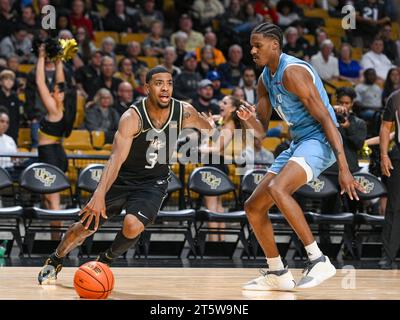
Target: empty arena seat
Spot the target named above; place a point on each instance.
(78, 140)
(42, 178)
(10, 216)
(125, 38)
(210, 181)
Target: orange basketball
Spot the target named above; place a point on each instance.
(93, 280)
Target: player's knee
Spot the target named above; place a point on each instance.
(275, 190)
(132, 226)
(251, 208)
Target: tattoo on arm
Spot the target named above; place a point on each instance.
(186, 115)
(336, 152)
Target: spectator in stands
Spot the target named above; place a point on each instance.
(106, 79)
(125, 97)
(148, 14)
(100, 116)
(140, 91)
(7, 143)
(320, 36)
(349, 69)
(18, 44)
(238, 93)
(251, 19)
(325, 63)
(206, 62)
(370, 16)
(133, 51)
(155, 43)
(85, 45)
(256, 156)
(248, 82)
(231, 72)
(195, 39)
(78, 18)
(86, 75)
(264, 8)
(107, 48)
(376, 59)
(62, 21)
(211, 39)
(389, 45)
(10, 101)
(286, 13)
(369, 95)
(20, 77)
(8, 19)
(29, 20)
(233, 18)
(392, 83)
(119, 20)
(125, 72)
(169, 60)
(293, 47)
(180, 47)
(204, 11)
(227, 124)
(204, 102)
(215, 78)
(186, 83)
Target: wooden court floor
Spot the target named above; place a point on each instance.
(200, 284)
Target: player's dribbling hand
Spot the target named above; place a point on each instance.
(349, 185)
(94, 208)
(246, 110)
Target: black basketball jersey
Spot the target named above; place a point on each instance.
(152, 148)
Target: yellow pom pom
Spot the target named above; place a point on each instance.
(70, 48)
(366, 150)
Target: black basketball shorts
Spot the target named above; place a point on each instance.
(143, 200)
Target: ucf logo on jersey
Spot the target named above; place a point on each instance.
(257, 177)
(157, 144)
(366, 184)
(44, 176)
(317, 185)
(210, 179)
(95, 174)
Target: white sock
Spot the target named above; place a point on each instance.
(275, 264)
(313, 251)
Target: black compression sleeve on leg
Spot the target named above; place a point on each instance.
(120, 245)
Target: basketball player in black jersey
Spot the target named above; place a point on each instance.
(134, 179)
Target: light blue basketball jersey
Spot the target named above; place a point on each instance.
(289, 107)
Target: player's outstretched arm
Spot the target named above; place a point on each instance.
(257, 117)
(129, 127)
(298, 81)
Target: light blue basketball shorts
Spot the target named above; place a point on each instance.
(314, 156)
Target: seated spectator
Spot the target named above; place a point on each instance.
(148, 15)
(264, 8)
(211, 39)
(204, 102)
(301, 40)
(233, 18)
(325, 63)
(119, 20)
(389, 45)
(376, 59)
(180, 47)
(85, 45)
(286, 13)
(107, 48)
(186, 83)
(100, 116)
(231, 72)
(320, 36)
(20, 77)
(248, 82)
(133, 51)
(369, 95)
(215, 78)
(204, 11)
(8, 19)
(195, 39)
(154, 44)
(106, 78)
(349, 69)
(78, 18)
(293, 47)
(124, 97)
(251, 19)
(206, 62)
(140, 91)
(86, 75)
(62, 22)
(169, 60)
(7, 143)
(238, 93)
(256, 156)
(29, 20)
(18, 43)
(392, 83)
(9, 100)
(125, 72)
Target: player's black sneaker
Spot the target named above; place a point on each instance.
(104, 258)
(48, 274)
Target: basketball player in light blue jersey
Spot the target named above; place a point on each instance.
(292, 88)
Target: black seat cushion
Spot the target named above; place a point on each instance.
(11, 212)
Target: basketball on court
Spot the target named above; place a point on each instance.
(93, 280)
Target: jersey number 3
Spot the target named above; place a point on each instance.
(152, 160)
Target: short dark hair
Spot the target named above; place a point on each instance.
(346, 91)
(270, 30)
(155, 70)
(3, 109)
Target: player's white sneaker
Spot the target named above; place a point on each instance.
(316, 272)
(272, 280)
